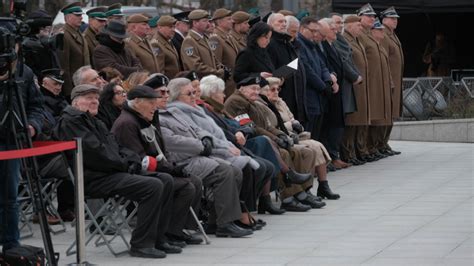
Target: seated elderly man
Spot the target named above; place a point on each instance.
(134, 129)
(193, 148)
(110, 169)
(88, 75)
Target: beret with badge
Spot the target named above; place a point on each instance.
(166, 21)
(137, 18)
(221, 13)
(198, 14)
(240, 17)
(142, 91)
(156, 81)
(249, 81)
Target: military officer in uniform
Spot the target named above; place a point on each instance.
(374, 81)
(393, 46)
(75, 53)
(240, 28)
(114, 12)
(168, 57)
(139, 45)
(196, 51)
(357, 123)
(97, 20)
(227, 49)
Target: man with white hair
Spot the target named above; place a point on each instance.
(88, 75)
(282, 52)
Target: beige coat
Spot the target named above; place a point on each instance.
(141, 49)
(74, 55)
(393, 46)
(196, 54)
(168, 57)
(226, 52)
(92, 43)
(386, 99)
(375, 80)
(362, 116)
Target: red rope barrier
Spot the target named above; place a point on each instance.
(39, 148)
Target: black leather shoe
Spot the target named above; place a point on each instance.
(176, 243)
(265, 205)
(312, 202)
(252, 226)
(324, 191)
(297, 178)
(232, 230)
(396, 152)
(188, 239)
(316, 198)
(151, 253)
(387, 152)
(295, 206)
(367, 158)
(168, 249)
(210, 229)
(377, 153)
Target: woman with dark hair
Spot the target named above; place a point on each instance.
(111, 100)
(254, 60)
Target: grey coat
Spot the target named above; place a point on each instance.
(196, 117)
(351, 73)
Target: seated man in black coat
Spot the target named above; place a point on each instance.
(111, 169)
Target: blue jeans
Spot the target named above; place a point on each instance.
(9, 177)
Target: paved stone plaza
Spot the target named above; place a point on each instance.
(412, 209)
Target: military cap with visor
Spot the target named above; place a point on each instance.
(55, 74)
(97, 13)
(73, 8)
(366, 10)
(115, 10)
(389, 13)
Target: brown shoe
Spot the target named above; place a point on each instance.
(52, 220)
(341, 164)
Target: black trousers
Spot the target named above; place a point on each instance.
(313, 125)
(154, 195)
(187, 193)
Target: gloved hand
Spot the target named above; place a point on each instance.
(283, 141)
(227, 73)
(165, 167)
(295, 138)
(208, 145)
(134, 168)
(297, 127)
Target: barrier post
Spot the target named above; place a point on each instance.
(80, 216)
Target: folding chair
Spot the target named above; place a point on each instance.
(110, 213)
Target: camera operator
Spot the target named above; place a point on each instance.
(10, 169)
(39, 47)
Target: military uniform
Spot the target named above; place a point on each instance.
(239, 39)
(90, 34)
(226, 53)
(357, 123)
(197, 55)
(168, 57)
(74, 55)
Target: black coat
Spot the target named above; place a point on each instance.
(335, 108)
(282, 51)
(32, 100)
(108, 113)
(251, 62)
(102, 154)
(177, 42)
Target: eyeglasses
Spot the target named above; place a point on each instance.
(312, 30)
(190, 93)
(275, 89)
(121, 93)
(163, 93)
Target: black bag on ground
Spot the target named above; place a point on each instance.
(23, 256)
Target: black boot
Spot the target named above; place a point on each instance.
(296, 178)
(324, 191)
(265, 204)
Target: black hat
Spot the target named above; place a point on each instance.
(254, 21)
(182, 16)
(142, 91)
(249, 81)
(389, 13)
(39, 18)
(115, 28)
(55, 74)
(192, 75)
(265, 18)
(263, 83)
(156, 81)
